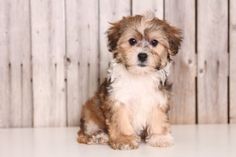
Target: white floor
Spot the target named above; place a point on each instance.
(190, 141)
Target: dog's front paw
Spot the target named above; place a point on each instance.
(157, 140)
(124, 143)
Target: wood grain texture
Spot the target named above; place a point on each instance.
(110, 11)
(212, 61)
(20, 56)
(48, 51)
(82, 55)
(73, 64)
(181, 13)
(141, 6)
(15, 45)
(232, 35)
(4, 65)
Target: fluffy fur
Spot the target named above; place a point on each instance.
(132, 103)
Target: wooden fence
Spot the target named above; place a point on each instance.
(53, 55)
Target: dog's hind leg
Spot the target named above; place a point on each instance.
(99, 137)
(92, 125)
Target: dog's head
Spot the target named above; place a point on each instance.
(143, 43)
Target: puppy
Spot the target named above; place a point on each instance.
(132, 102)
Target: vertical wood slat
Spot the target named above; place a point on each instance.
(232, 66)
(72, 54)
(141, 6)
(72, 68)
(110, 11)
(212, 61)
(4, 67)
(16, 71)
(15, 61)
(19, 51)
(48, 51)
(181, 13)
(82, 55)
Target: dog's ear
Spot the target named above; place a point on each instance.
(174, 36)
(113, 35)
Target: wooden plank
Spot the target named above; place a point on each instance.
(212, 61)
(4, 65)
(90, 42)
(232, 62)
(19, 54)
(141, 6)
(82, 55)
(181, 13)
(15, 61)
(72, 53)
(48, 50)
(15, 47)
(110, 11)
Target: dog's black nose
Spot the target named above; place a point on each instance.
(142, 56)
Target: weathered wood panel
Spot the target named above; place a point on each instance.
(212, 61)
(48, 51)
(72, 68)
(82, 55)
(16, 95)
(232, 35)
(181, 13)
(4, 65)
(110, 11)
(19, 55)
(141, 6)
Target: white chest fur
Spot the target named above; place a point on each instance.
(138, 93)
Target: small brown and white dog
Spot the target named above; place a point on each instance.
(132, 102)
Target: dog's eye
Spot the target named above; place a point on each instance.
(132, 41)
(154, 43)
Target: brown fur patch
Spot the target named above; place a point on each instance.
(121, 133)
(114, 33)
(82, 137)
(91, 112)
(158, 123)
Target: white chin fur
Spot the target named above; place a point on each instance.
(140, 70)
